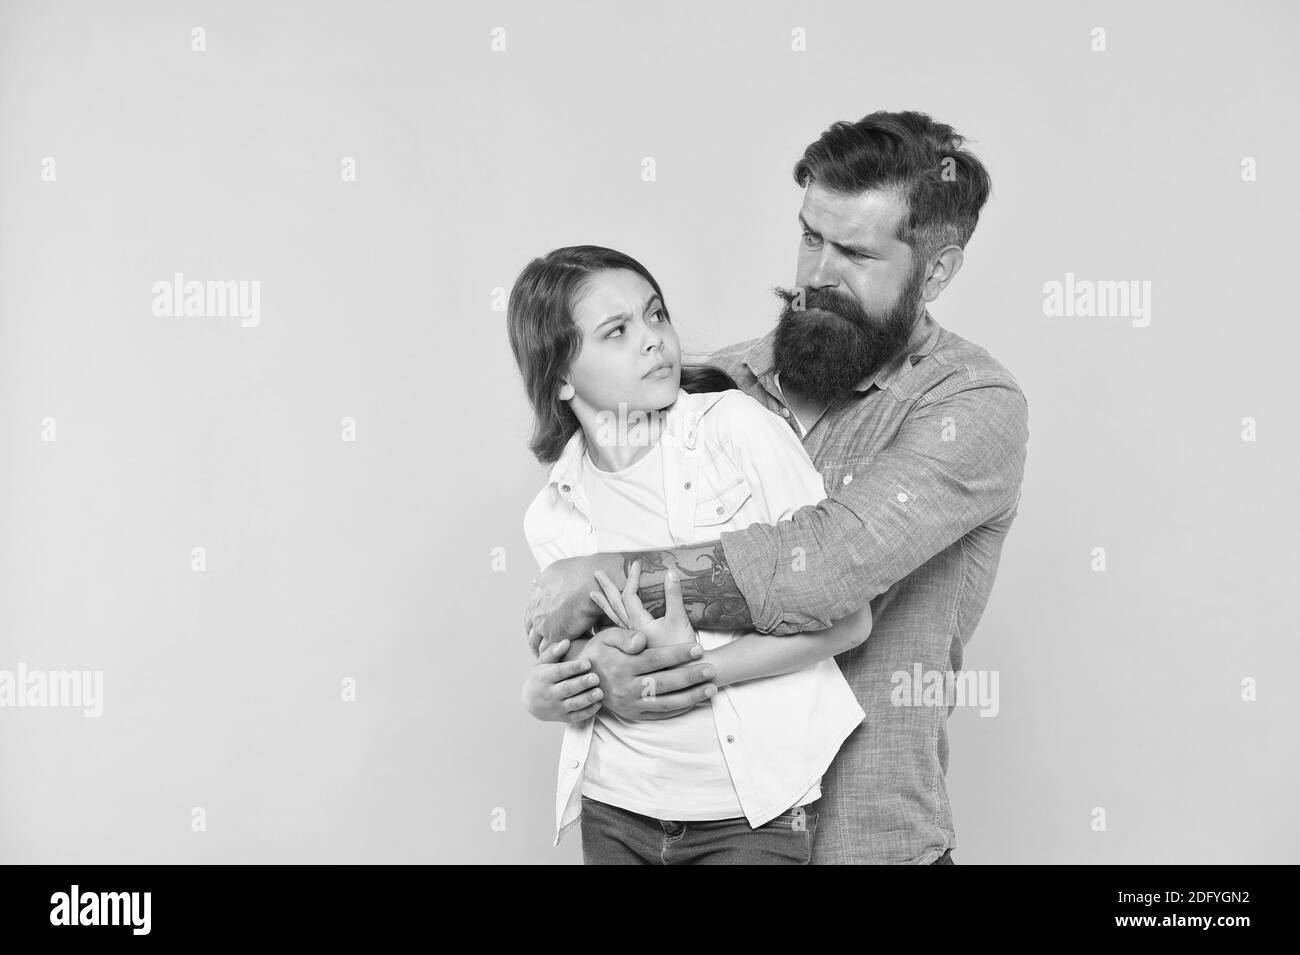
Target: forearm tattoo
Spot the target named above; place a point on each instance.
(712, 599)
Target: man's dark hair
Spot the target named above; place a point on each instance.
(942, 183)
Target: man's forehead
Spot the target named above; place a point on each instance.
(874, 215)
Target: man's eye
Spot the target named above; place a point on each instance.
(809, 238)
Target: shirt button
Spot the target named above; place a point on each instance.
(721, 508)
(687, 485)
(590, 529)
(731, 739)
(848, 479)
(575, 765)
(565, 488)
(785, 412)
(902, 498)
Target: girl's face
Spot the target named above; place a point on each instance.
(627, 340)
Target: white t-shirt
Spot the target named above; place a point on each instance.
(727, 463)
(666, 769)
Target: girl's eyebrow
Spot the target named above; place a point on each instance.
(624, 316)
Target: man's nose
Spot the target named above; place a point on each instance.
(823, 274)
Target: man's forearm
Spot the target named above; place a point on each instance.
(712, 598)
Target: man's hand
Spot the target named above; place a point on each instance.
(655, 683)
(559, 691)
(559, 606)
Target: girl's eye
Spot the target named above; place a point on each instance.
(617, 329)
(661, 312)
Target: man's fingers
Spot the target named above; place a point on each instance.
(552, 652)
(559, 672)
(578, 684)
(583, 700)
(660, 658)
(581, 715)
(670, 681)
(661, 703)
(629, 641)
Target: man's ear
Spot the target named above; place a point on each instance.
(945, 268)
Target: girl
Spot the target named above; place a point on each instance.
(648, 454)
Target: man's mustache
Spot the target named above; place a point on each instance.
(823, 300)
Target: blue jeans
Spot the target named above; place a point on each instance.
(614, 836)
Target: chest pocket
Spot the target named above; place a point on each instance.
(724, 489)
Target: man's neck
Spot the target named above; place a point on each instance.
(806, 411)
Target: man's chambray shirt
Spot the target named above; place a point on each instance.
(923, 466)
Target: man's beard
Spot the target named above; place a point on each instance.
(822, 357)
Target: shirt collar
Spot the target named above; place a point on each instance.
(681, 422)
(761, 359)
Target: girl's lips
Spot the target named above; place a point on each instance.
(662, 371)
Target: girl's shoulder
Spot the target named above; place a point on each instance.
(733, 414)
(543, 519)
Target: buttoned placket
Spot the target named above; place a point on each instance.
(681, 480)
(681, 467)
(575, 495)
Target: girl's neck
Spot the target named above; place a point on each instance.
(616, 442)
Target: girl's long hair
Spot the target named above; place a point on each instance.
(545, 339)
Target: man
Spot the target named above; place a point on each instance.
(921, 438)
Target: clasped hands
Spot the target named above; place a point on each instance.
(642, 668)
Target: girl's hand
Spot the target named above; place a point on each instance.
(561, 692)
(626, 609)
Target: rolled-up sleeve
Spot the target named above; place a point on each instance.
(957, 462)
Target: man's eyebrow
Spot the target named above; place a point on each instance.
(852, 249)
(624, 316)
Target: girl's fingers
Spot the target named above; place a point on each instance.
(638, 616)
(614, 597)
(674, 609)
(599, 600)
(633, 580)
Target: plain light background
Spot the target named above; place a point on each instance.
(373, 559)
